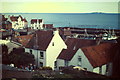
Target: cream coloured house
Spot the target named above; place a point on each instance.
(45, 46)
(18, 22)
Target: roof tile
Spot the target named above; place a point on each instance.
(41, 39)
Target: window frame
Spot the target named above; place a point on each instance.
(41, 53)
(55, 64)
(53, 44)
(79, 58)
(41, 64)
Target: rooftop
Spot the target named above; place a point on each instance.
(73, 44)
(100, 54)
(40, 40)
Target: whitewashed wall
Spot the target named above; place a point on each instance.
(37, 53)
(96, 70)
(52, 52)
(85, 64)
(37, 25)
(109, 69)
(21, 24)
(60, 63)
(84, 61)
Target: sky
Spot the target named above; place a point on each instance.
(59, 6)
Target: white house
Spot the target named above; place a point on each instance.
(18, 22)
(37, 23)
(45, 46)
(95, 58)
(73, 44)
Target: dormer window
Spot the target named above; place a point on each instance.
(52, 43)
(79, 58)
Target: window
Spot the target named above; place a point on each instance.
(52, 43)
(107, 69)
(66, 63)
(79, 58)
(30, 51)
(41, 55)
(100, 70)
(55, 64)
(41, 64)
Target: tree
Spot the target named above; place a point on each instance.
(5, 55)
(18, 57)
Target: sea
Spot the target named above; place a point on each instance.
(79, 20)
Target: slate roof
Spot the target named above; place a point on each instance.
(40, 40)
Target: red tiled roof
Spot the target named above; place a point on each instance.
(73, 44)
(15, 18)
(41, 39)
(24, 20)
(96, 54)
(100, 54)
(79, 43)
(35, 21)
(24, 39)
(3, 18)
(48, 26)
(66, 54)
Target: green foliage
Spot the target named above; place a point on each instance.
(4, 49)
(45, 68)
(5, 56)
(19, 57)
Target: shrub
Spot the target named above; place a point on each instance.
(45, 68)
